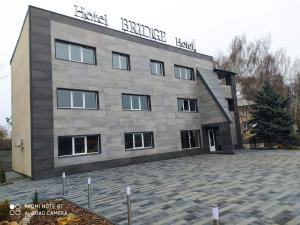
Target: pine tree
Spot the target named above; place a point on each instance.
(273, 123)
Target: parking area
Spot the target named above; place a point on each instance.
(250, 187)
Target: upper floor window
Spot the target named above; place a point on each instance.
(136, 102)
(230, 104)
(121, 61)
(190, 139)
(139, 140)
(75, 52)
(187, 105)
(75, 99)
(157, 68)
(78, 145)
(185, 73)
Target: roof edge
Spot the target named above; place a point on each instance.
(13, 54)
(135, 38)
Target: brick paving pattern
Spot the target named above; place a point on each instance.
(250, 187)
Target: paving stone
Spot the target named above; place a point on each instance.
(250, 187)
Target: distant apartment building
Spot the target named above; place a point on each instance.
(88, 97)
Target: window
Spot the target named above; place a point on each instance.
(187, 105)
(73, 99)
(136, 102)
(78, 145)
(139, 140)
(74, 52)
(190, 139)
(157, 68)
(121, 61)
(185, 73)
(230, 104)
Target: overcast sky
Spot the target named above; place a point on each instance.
(212, 23)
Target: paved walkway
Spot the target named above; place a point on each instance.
(250, 187)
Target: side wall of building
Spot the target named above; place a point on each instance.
(20, 101)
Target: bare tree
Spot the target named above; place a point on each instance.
(254, 63)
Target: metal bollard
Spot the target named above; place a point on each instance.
(64, 183)
(89, 192)
(215, 214)
(129, 206)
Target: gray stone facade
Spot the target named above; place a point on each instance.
(48, 73)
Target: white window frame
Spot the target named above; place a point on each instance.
(85, 145)
(81, 53)
(190, 137)
(83, 100)
(157, 64)
(189, 104)
(183, 72)
(120, 62)
(140, 104)
(143, 143)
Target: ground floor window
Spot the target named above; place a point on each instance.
(78, 145)
(139, 140)
(190, 139)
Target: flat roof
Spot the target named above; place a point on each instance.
(115, 33)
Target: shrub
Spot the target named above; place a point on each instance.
(4, 210)
(2, 176)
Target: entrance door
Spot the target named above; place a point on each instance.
(211, 139)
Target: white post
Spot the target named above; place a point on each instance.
(129, 206)
(64, 183)
(215, 214)
(89, 192)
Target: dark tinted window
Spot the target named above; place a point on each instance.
(64, 146)
(148, 140)
(185, 139)
(92, 144)
(79, 145)
(128, 141)
(138, 141)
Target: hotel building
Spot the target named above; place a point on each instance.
(87, 97)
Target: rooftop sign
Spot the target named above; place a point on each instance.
(82, 13)
(143, 30)
(134, 28)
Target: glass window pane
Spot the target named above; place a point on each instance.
(159, 68)
(177, 72)
(75, 53)
(79, 145)
(116, 61)
(180, 105)
(148, 140)
(193, 105)
(63, 99)
(145, 103)
(90, 100)
(185, 139)
(128, 141)
(138, 142)
(77, 99)
(153, 68)
(62, 50)
(135, 102)
(64, 146)
(124, 62)
(88, 55)
(186, 104)
(188, 74)
(126, 101)
(194, 137)
(92, 144)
